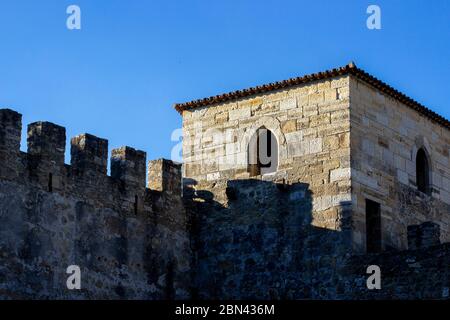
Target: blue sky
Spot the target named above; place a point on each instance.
(119, 76)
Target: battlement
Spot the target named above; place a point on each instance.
(128, 165)
(89, 154)
(122, 235)
(43, 164)
(164, 175)
(10, 129)
(47, 140)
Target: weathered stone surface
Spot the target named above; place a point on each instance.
(385, 137)
(130, 242)
(345, 151)
(297, 232)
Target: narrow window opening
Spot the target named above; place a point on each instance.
(136, 200)
(373, 227)
(422, 172)
(50, 182)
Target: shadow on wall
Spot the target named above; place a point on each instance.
(255, 239)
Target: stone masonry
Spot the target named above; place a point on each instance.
(129, 241)
(346, 148)
(344, 138)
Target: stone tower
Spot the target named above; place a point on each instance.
(357, 165)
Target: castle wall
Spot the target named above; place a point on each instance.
(129, 241)
(405, 275)
(254, 239)
(385, 138)
(223, 233)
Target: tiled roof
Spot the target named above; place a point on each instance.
(351, 68)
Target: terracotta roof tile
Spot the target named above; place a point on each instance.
(351, 69)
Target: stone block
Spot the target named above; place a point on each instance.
(289, 126)
(289, 103)
(239, 114)
(339, 174)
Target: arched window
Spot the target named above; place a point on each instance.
(422, 172)
(262, 153)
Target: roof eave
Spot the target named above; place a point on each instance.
(349, 69)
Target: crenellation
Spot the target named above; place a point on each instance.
(164, 175)
(10, 129)
(89, 154)
(43, 165)
(129, 165)
(46, 147)
(47, 141)
(10, 134)
(113, 227)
